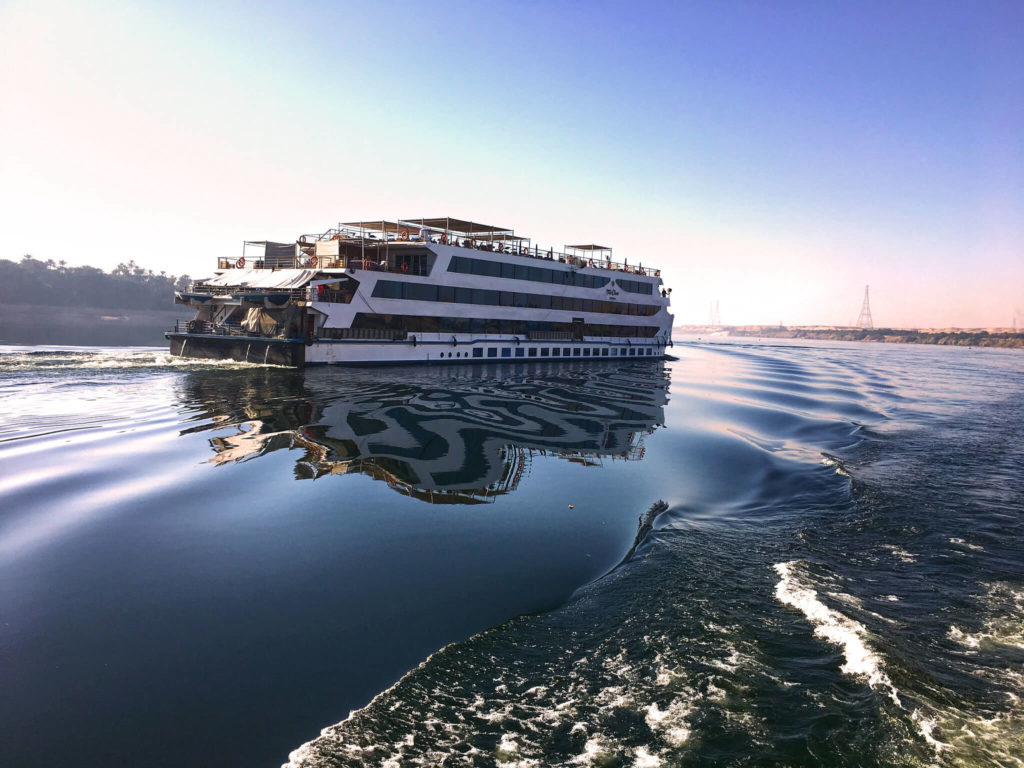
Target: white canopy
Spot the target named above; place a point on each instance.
(282, 279)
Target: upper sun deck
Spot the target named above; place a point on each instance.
(369, 244)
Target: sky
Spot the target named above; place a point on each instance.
(773, 156)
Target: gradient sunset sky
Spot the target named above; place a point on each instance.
(775, 156)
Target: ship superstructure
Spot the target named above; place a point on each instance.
(423, 291)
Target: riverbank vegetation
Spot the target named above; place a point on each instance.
(949, 337)
(127, 286)
(47, 302)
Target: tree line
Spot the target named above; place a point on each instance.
(53, 283)
(972, 338)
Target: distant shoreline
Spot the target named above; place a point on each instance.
(945, 337)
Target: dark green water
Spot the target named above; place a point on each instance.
(209, 564)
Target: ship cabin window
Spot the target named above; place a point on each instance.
(545, 352)
(604, 352)
(478, 352)
(485, 268)
(594, 352)
(519, 352)
(533, 351)
(566, 351)
(413, 291)
(555, 351)
(632, 353)
(506, 352)
(407, 261)
(636, 286)
(492, 351)
(586, 352)
(576, 352)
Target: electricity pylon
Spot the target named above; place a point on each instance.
(864, 318)
(715, 317)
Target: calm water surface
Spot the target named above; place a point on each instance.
(758, 554)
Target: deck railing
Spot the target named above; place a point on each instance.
(355, 263)
(533, 252)
(294, 294)
(350, 236)
(207, 328)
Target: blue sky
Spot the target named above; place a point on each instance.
(773, 156)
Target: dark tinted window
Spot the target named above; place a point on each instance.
(636, 286)
(415, 291)
(492, 325)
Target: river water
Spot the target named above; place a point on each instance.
(756, 554)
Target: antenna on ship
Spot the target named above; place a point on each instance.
(864, 318)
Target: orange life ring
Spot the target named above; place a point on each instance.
(404, 235)
(241, 262)
(404, 267)
(312, 261)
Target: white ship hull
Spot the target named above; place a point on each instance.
(440, 350)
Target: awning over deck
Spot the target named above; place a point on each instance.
(461, 226)
(281, 279)
(389, 227)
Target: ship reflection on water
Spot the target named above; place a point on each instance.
(445, 436)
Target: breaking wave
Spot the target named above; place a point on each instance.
(28, 359)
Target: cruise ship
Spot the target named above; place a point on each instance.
(437, 290)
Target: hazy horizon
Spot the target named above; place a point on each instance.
(775, 159)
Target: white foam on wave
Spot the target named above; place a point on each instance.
(962, 543)
(834, 463)
(645, 759)
(1004, 625)
(506, 751)
(116, 360)
(900, 554)
(834, 627)
(670, 723)
(993, 738)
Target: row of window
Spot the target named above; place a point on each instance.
(470, 266)
(529, 328)
(393, 289)
(635, 286)
(560, 352)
